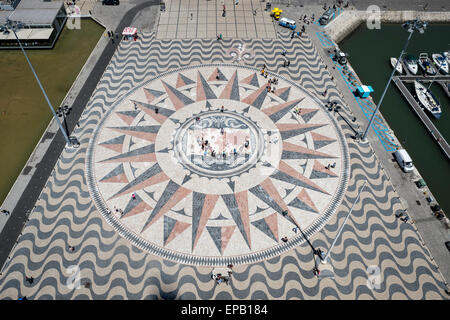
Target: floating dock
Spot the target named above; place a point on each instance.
(442, 80)
(420, 113)
(445, 87)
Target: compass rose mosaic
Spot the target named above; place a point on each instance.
(210, 165)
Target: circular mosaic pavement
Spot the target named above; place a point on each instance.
(206, 165)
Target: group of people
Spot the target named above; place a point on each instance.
(263, 71)
(234, 150)
(120, 211)
(330, 166)
(269, 86)
(306, 20)
(219, 278)
(207, 149)
(113, 35)
(297, 110)
(403, 216)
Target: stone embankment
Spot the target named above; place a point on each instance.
(348, 21)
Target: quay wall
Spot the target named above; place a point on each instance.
(348, 21)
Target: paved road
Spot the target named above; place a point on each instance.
(19, 215)
(431, 5)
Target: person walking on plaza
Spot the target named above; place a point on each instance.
(30, 280)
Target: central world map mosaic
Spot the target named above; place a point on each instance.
(213, 164)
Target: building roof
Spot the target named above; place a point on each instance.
(33, 12)
(4, 15)
(34, 16)
(39, 4)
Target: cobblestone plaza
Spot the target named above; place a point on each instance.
(188, 161)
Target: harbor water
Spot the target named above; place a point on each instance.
(369, 52)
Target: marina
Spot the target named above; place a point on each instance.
(428, 156)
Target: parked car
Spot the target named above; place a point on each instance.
(404, 160)
(288, 23)
(110, 2)
(341, 57)
(325, 18)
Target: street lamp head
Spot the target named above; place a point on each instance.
(416, 24)
(13, 25)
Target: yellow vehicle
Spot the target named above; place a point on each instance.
(276, 13)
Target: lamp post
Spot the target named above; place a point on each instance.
(13, 25)
(324, 260)
(412, 25)
(315, 251)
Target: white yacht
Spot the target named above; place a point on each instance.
(398, 67)
(427, 99)
(441, 62)
(446, 54)
(411, 64)
(425, 64)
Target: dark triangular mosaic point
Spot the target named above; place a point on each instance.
(264, 227)
(186, 179)
(169, 224)
(231, 184)
(216, 236)
(186, 80)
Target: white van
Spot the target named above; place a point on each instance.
(404, 160)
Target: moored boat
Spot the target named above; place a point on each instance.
(397, 66)
(441, 62)
(411, 64)
(425, 64)
(446, 54)
(427, 99)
